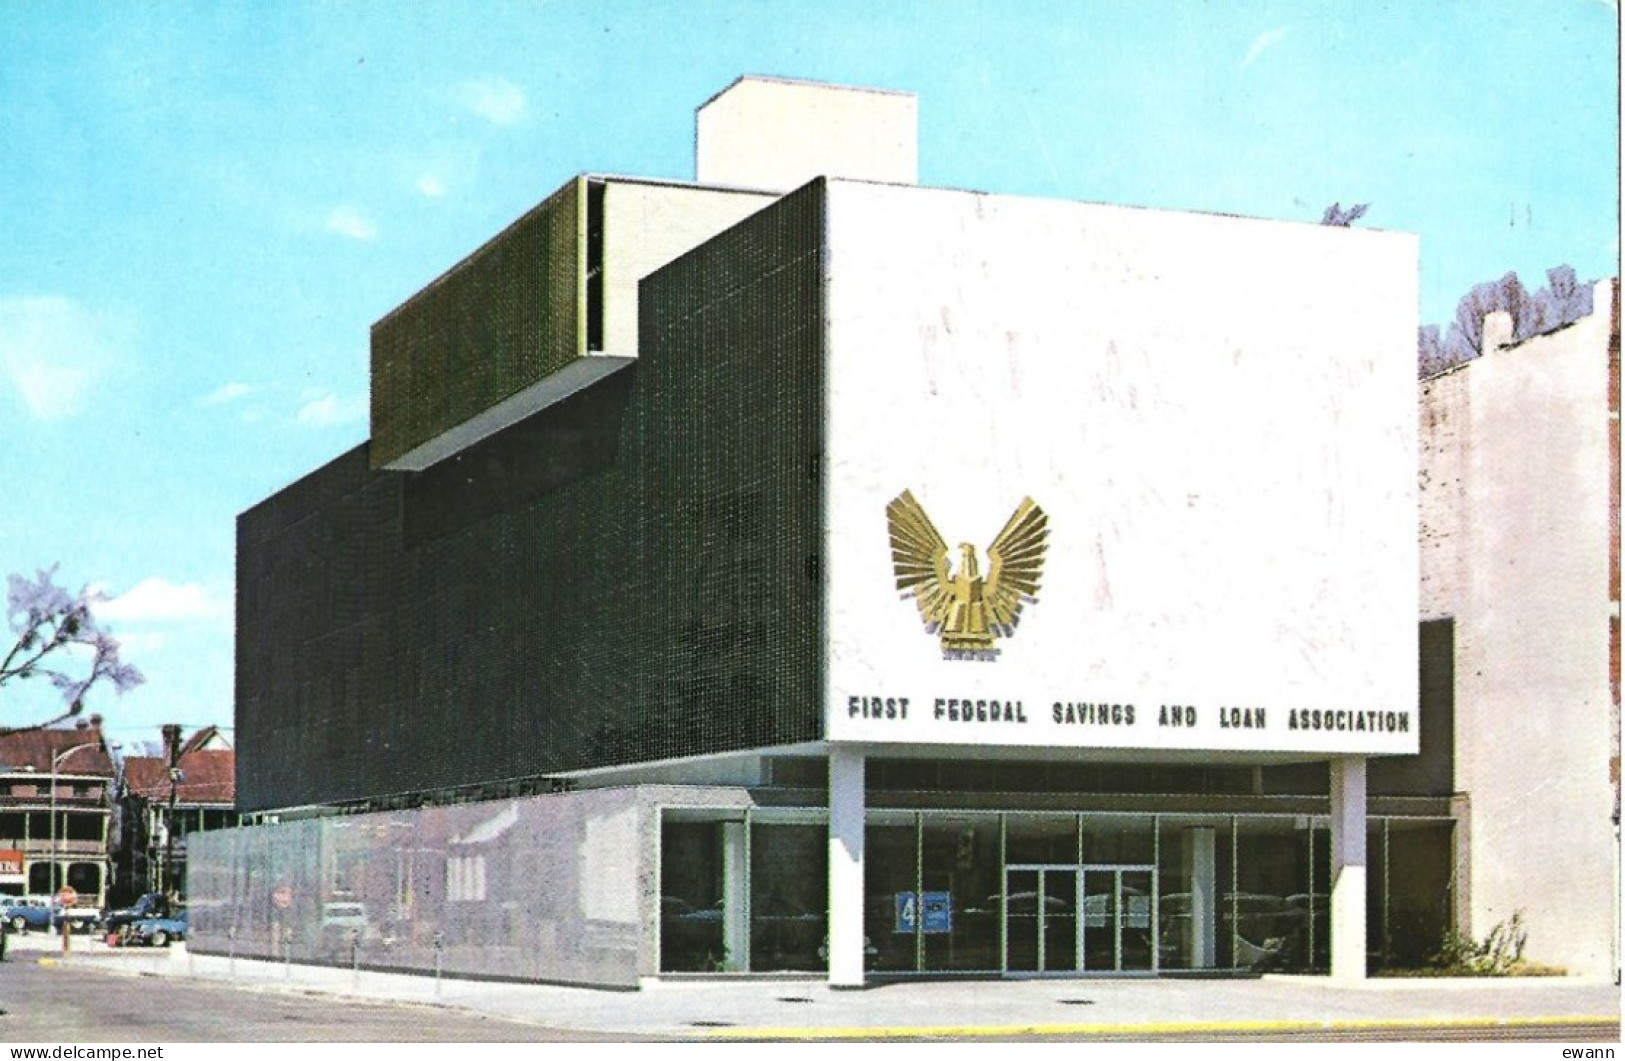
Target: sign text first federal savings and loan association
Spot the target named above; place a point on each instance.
(1084, 723)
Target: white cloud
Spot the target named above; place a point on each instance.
(227, 393)
(431, 186)
(159, 600)
(348, 221)
(132, 646)
(328, 410)
(1263, 43)
(52, 349)
(497, 100)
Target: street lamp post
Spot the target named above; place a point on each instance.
(56, 854)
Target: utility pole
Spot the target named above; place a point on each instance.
(172, 742)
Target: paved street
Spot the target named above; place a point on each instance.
(140, 995)
(54, 1003)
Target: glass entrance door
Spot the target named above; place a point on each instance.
(1040, 919)
(1079, 919)
(1118, 921)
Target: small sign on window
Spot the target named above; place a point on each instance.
(930, 913)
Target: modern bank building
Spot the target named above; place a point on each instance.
(802, 570)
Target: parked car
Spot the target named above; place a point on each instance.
(157, 931)
(46, 916)
(23, 916)
(343, 917)
(152, 904)
(343, 922)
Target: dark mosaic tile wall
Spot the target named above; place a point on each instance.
(500, 320)
(630, 575)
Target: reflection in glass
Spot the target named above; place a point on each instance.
(1021, 921)
(691, 885)
(1420, 891)
(1031, 839)
(889, 848)
(788, 896)
(1119, 839)
(959, 878)
(1058, 910)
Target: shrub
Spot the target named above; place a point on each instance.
(1499, 954)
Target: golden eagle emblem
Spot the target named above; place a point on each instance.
(967, 610)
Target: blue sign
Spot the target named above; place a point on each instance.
(907, 912)
(937, 912)
(930, 913)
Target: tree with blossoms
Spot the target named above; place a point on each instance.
(59, 640)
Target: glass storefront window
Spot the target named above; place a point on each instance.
(1041, 838)
(1119, 839)
(1194, 853)
(789, 894)
(960, 888)
(1266, 914)
(1420, 891)
(945, 892)
(1376, 895)
(1315, 955)
(890, 851)
(691, 904)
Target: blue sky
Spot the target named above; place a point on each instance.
(204, 207)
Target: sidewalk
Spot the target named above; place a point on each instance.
(754, 1008)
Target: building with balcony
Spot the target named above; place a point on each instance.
(56, 793)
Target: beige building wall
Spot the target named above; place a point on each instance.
(646, 225)
(1517, 530)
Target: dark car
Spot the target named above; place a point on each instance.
(157, 931)
(152, 904)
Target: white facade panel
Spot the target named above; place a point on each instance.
(1215, 415)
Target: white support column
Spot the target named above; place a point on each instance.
(1348, 868)
(736, 896)
(1201, 868)
(846, 805)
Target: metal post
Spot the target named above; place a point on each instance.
(355, 969)
(439, 945)
(169, 837)
(51, 885)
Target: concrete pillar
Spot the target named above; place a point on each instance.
(846, 803)
(1348, 868)
(736, 896)
(1201, 869)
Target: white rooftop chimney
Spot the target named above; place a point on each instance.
(776, 134)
